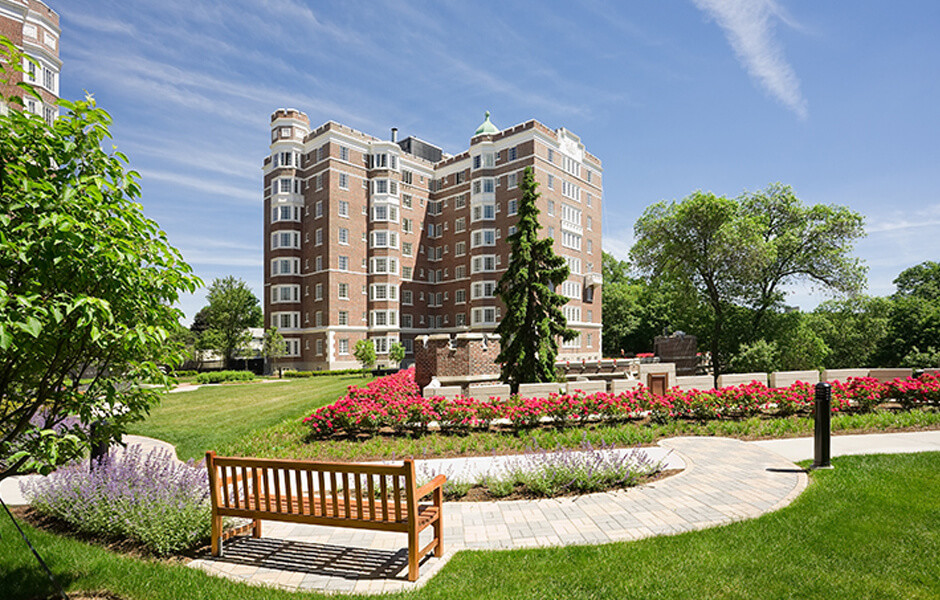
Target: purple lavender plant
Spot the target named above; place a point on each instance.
(152, 499)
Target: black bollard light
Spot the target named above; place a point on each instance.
(823, 425)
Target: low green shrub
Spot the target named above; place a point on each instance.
(178, 374)
(223, 376)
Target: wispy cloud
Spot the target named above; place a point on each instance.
(203, 184)
(97, 24)
(748, 25)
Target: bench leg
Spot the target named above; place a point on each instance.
(413, 555)
(216, 536)
(256, 528)
(439, 523)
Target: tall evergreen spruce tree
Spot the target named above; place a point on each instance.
(534, 320)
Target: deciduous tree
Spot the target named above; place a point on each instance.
(87, 286)
(232, 309)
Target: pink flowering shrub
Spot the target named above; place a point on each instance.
(394, 402)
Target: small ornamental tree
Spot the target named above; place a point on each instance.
(365, 353)
(273, 347)
(397, 353)
(87, 286)
(534, 320)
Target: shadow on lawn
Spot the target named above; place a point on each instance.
(315, 559)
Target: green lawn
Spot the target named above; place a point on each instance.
(870, 528)
(210, 418)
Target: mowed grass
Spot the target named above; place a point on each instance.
(870, 528)
(211, 417)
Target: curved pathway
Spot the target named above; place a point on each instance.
(724, 480)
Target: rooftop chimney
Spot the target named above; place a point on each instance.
(395, 134)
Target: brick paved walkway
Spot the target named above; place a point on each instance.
(725, 480)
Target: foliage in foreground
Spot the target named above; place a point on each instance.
(152, 499)
(395, 402)
(870, 510)
(88, 285)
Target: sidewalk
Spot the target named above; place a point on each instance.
(797, 449)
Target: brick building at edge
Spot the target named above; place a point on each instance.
(390, 240)
(33, 28)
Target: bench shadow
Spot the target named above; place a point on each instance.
(787, 470)
(347, 562)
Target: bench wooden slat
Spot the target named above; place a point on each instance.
(346, 495)
(334, 493)
(224, 487)
(384, 495)
(370, 484)
(358, 477)
(397, 496)
(311, 495)
(254, 486)
(322, 493)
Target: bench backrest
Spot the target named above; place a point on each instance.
(325, 491)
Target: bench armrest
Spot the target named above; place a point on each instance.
(429, 487)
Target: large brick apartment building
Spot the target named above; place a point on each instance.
(34, 28)
(389, 240)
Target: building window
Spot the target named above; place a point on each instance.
(343, 263)
(318, 261)
(344, 153)
(343, 236)
(571, 289)
(285, 266)
(551, 182)
(318, 291)
(318, 236)
(382, 265)
(318, 318)
(484, 316)
(570, 240)
(512, 207)
(285, 213)
(511, 181)
(483, 237)
(460, 272)
(485, 263)
(285, 239)
(575, 343)
(286, 320)
(406, 200)
(343, 291)
(343, 346)
(483, 289)
(511, 153)
(319, 346)
(285, 293)
(407, 249)
(292, 347)
(406, 272)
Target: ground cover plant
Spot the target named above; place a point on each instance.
(394, 402)
(866, 529)
(151, 499)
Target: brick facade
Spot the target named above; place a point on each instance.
(34, 28)
(390, 245)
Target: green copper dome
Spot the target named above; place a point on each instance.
(486, 127)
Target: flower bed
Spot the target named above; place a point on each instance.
(151, 499)
(395, 402)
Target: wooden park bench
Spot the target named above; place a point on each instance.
(361, 496)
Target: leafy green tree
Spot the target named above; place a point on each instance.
(739, 255)
(273, 348)
(798, 243)
(919, 281)
(364, 351)
(396, 353)
(853, 329)
(87, 286)
(700, 242)
(534, 321)
(232, 309)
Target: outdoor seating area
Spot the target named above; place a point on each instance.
(345, 495)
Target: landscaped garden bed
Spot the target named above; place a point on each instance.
(393, 404)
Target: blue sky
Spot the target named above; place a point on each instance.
(839, 100)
